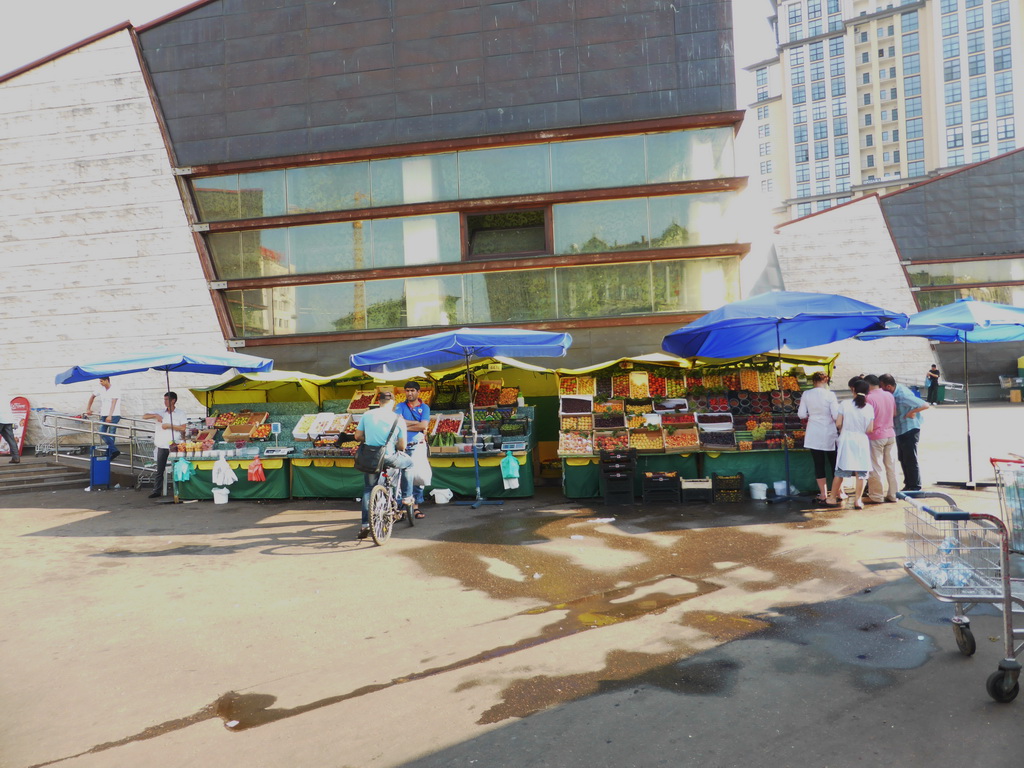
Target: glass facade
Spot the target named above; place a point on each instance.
(621, 161)
(515, 296)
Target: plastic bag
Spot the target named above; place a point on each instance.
(183, 471)
(510, 471)
(255, 473)
(442, 495)
(422, 474)
(223, 474)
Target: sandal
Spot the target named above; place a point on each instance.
(417, 514)
(831, 502)
(858, 504)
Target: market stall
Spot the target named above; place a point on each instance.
(685, 419)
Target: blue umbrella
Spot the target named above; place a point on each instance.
(166, 360)
(769, 321)
(966, 321)
(440, 349)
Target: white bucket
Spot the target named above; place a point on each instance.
(759, 491)
(442, 495)
(780, 488)
(220, 495)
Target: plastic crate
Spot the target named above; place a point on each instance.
(728, 497)
(727, 482)
(625, 456)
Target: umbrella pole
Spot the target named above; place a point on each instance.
(785, 433)
(967, 394)
(476, 459)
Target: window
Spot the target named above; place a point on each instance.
(978, 88)
(1006, 146)
(803, 209)
(839, 126)
(765, 148)
(881, 53)
(794, 14)
(799, 134)
(870, 161)
(895, 114)
(976, 18)
(799, 94)
(892, 93)
(822, 188)
(1002, 60)
(803, 190)
(869, 140)
(796, 56)
(833, 6)
(953, 92)
(954, 137)
(972, 3)
(801, 153)
(839, 107)
(1000, 36)
(817, 51)
(976, 64)
(951, 47)
(979, 110)
(1004, 105)
(867, 119)
(951, 70)
(886, 159)
(766, 167)
(837, 67)
(813, 9)
(948, 6)
(803, 173)
(914, 106)
(800, 115)
(908, 22)
(863, 37)
(979, 133)
(915, 150)
(838, 87)
(1005, 128)
(762, 76)
(885, 137)
(954, 114)
(950, 25)
(821, 130)
(843, 168)
(896, 156)
(955, 158)
(916, 168)
(842, 146)
(497, 234)
(819, 111)
(911, 43)
(814, 28)
(1004, 82)
(865, 77)
(796, 76)
(824, 205)
(762, 113)
(915, 128)
(1000, 12)
(764, 131)
(821, 150)
(817, 91)
(911, 64)
(818, 71)
(912, 85)
(976, 42)
(867, 99)
(822, 172)
(835, 47)
(767, 185)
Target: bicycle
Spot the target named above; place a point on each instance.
(385, 509)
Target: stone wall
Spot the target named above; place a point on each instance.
(97, 257)
(848, 250)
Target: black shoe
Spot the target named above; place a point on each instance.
(363, 533)
(155, 495)
(114, 455)
(15, 460)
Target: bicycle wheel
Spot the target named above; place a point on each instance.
(381, 515)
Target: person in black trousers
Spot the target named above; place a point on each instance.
(933, 385)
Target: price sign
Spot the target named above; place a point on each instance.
(494, 366)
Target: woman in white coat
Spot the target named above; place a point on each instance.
(853, 451)
(820, 408)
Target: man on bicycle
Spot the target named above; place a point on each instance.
(374, 428)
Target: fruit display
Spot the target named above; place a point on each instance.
(451, 423)
(646, 407)
(222, 420)
(352, 426)
(576, 443)
(567, 385)
(678, 418)
(577, 423)
(681, 438)
(613, 440)
(576, 405)
(657, 385)
(639, 385)
(260, 432)
(301, 430)
(789, 384)
(694, 381)
(650, 439)
(717, 440)
(487, 395)
(609, 406)
(603, 387)
(508, 396)
(675, 387)
(609, 420)
(361, 401)
(714, 383)
(620, 385)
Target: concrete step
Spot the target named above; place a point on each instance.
(39, 473)
(49, 485)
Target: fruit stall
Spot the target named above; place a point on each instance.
(692, 418)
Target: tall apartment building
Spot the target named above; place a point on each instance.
(866, 96)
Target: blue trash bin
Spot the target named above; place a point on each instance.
(99, 467)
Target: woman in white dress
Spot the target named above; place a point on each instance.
(853, 451)
(820, 408)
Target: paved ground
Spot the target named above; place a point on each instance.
(539, 633)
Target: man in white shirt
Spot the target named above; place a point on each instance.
(108, 405)
(169, 421)
(7, 422)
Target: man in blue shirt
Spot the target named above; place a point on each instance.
(417, 417)
(907, 424)
(374, 429)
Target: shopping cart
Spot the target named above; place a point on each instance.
(1010, 481)
(963, 558)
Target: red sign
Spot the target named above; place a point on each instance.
(20, 409)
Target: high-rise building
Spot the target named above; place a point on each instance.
(866, 96)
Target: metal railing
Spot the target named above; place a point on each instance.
(70, 439)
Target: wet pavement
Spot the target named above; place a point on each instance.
(539, 633)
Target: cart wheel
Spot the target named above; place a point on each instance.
(965, 639)
(996, 687)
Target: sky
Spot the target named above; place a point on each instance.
(37, 29)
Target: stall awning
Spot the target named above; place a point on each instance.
(274, 386)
